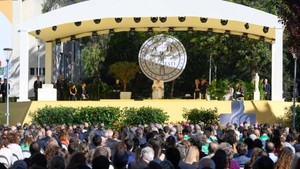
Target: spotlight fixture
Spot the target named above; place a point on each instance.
(171, 30)
(210, 30)
(73, 38)
(111, 31)
(266, 29)
(245, 35)
(181, 18)
(163, 19)
(246, 25)
(224, 22)
(154, 19)
(190, 29)
(137, 19)
(132, 31)
(203, 20)
(150, 30)
(94, 34)
(54, 28)
(97, 21)
(57, 41)
(227, 33)
(77, 23)
(38, 32)
(118, 20)
(261, 38)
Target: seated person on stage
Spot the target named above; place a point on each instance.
(157, 89)
(203, 88)
(84, 95)
(240, 91)
(229, 92)
(73, 92)
(197, 87)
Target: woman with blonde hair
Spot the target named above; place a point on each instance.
(285, 159)
(192, 156)
(256, 152)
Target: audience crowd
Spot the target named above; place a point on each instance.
(173, 146)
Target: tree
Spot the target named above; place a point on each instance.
(50, 5)
(125, 71)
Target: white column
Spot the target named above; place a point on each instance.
(277, 66)
(24, 59)
(48, 63)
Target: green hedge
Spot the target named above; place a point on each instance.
(112, 117)
(195, 116)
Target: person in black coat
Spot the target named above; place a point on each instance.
(37, 84)
(117, 89)
(4, 90)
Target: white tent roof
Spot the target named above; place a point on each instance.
(107, 10)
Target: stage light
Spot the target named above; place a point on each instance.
(203, 20)
(73, 38)
(227, 33)
(97, 21)
(57, 41)
(224, 22)
(245, 35)
(181, 18)
(77, 23)
(132, 31)
(137, 19)
(111, 32)
(118, 20)
(210, 30)
(261, 38)
(94, 34)
(154, 19)
(190, 29)
(171, 30)
(54, 28)
(163, 19)
(38, 32)
(150, 31)
(246, 25)
(266, 29)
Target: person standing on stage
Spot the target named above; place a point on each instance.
(4, 90)
(267, 90)
(84, 95)
(117, 89)
(158, 89)
(197, 87)
(73, 92)
(37, 84)
(61, 87)
(203, 88)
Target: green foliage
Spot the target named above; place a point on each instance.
(287, 118)
(125, 71)
(92, 56)
(218, 89)
(112, 117)
(195, 116)
(70, 115)
(144, 115)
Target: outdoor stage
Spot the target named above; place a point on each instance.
(263, 111)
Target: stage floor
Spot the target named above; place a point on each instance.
(265, 111)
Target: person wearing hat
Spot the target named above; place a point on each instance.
(37, 84)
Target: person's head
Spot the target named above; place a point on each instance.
(34, 148)
(229, 86)
(153, 165)
(97, 140)
(212, 147)
(38, 159)
(242, 148)
(192, 155)
(158, 79)
(76, 158)
(227, 148)
(100, 151)
(38, 77)
(117, 81)
(206, 163)
(285, 158)
(269, 147)
(147, 154)
(100, 162)
(57, 162)
(197, 81)
(120, 159)
(220, 159)
(263, 162)
(83, 84)
(265, 81)
(5, 80)
(173, 155)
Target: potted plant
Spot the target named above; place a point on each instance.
(124, 71)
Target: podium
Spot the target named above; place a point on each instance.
(47, 93)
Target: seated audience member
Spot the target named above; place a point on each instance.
(147, 155)
(120, 159)
(270, 150)
(229, 93)
(242, 149)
